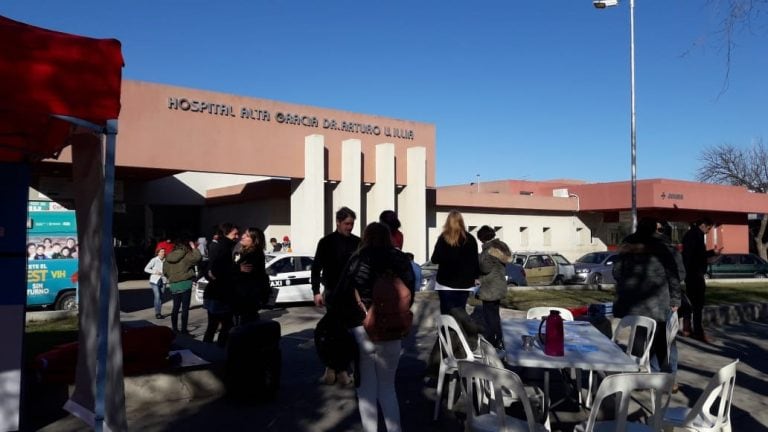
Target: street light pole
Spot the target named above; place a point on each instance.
(602, 4)
(633, 129)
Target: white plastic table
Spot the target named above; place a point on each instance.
(585, 348)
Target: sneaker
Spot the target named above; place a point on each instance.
(159, 316)
(329, 377)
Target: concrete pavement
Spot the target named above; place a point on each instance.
(194, 400)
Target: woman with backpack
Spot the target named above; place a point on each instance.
(376, 266)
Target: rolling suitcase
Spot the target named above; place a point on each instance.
(254, 361)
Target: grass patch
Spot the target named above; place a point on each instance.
(41, 336)
(717, 293)
(524, 300)
(736, 292)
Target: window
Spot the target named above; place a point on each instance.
(524, 236)
(306, 264)
(534, 261)
(282, 266)
(547, 231)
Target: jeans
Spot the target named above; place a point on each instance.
(672, 359)
(181, 300)
(450, 299)
(214, 319)
(378, 366)
(157, 290)
(492, 323)
(695, 286)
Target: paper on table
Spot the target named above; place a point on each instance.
(188, 358)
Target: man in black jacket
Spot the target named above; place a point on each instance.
(333, 252)
(217, 297)
(696, 258)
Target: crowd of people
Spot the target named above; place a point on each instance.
(653, 279)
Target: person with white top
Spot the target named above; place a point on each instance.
(156, 280)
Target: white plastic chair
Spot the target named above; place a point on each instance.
(633, 322)
(700, 417)
(448, 365)
(622, 385)
(541, 311)
(484, 411)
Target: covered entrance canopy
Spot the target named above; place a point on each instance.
(54, 86)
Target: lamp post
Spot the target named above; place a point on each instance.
(602, 4)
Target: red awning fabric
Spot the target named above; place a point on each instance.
(45, 73)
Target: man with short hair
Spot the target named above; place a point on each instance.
(333, 252)
(696, 259)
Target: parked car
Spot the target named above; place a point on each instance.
(544, 268)
(595, 268)
(290, 273)
(428, 273)
(738, 266)
(516, 275)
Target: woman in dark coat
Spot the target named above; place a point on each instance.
(456, 255)
(249, 277)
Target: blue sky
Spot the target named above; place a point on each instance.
(517, 89)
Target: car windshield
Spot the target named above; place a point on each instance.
(591, 258)
(561, 259)
(268, 258)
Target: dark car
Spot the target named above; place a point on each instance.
(738, 266)
(516, 275)
(595, 268)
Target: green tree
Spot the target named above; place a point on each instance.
(748, 167)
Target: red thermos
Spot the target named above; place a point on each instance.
(553, 340)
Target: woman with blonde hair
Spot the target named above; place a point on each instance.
(455, 254)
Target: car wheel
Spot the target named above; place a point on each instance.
(760, 276)
(597, 279)
(558, 280)
(67, 302)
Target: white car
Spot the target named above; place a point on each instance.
(290, 274)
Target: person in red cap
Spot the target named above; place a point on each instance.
(287, 244)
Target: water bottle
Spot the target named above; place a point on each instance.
(554, 339)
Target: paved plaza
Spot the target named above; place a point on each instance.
(193, 400)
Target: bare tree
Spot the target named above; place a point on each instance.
(728, 164)
(736, 17)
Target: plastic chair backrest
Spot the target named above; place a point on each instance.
(479, 377)
(622, 385)
(541, 311)
(445, 324)
(632, 322)
(719, 387)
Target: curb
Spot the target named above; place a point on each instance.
(53, 315)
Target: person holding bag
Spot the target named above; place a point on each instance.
(368, 270)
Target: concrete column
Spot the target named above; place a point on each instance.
(382, 194)
(412, 205)
(308, 197)
(348, 191)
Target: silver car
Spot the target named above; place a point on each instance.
(595, 268)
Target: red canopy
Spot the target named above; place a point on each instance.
(45, 73)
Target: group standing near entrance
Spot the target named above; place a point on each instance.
(349, 275)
